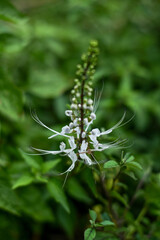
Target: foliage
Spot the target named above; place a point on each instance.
(40, 45)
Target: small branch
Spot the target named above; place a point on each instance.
(107, 195)
(84, 78)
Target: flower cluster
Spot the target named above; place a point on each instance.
(82, 140)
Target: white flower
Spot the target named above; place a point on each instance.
(80, 152)
(66, 129)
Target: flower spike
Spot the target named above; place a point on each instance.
(82, 141)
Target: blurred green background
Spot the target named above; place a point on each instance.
(40, 45)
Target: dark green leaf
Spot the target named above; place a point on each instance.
(8, 199)
(77, 191)
(58, 194)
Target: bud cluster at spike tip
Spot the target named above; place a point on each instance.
(82, 140)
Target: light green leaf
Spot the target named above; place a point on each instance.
(47, 83)
(111, 164)
(130, 159)
(89, 234)
(23, 181)
(77, 191)
(30, 160)
(93, 215)
(57, 193)
(46, 166)
(135, 165)
(8, 12)
(10, 99)
(41, 179)
(107, 223)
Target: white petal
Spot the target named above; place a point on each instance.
(69, 169)
(72, 143)
(84, 146)
(54, 135)
(114, 127)
(96, 132)
(89, 123)
(77, 129)
(72, 155)
(62, 146)
(66, 129)
(35, 117)
(46, 151)
(87, 160)
(106, 132)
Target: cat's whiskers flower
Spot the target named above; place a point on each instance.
(82, 141)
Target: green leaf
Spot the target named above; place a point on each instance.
(67, 220)
(107, 223)
(77, 191)
(34, 203)
(93, 215)
(57, 193)
(23, 181)
(120, 198)
(46, 166)
(87, 178)
(10, 99)
(8, 199)
(47, 83)
(90, 234)
(41, 179)
(30, 160)
(8, 12)
(130, 159)
(111, 164)
(130, 174)
(135, 165)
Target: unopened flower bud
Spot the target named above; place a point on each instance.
(90, 101)
(86, 121)
(91, 108)
(93, 116)
(68, 113)
(73, 106)
(84, 105)
(71, 125)
(83, 134)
